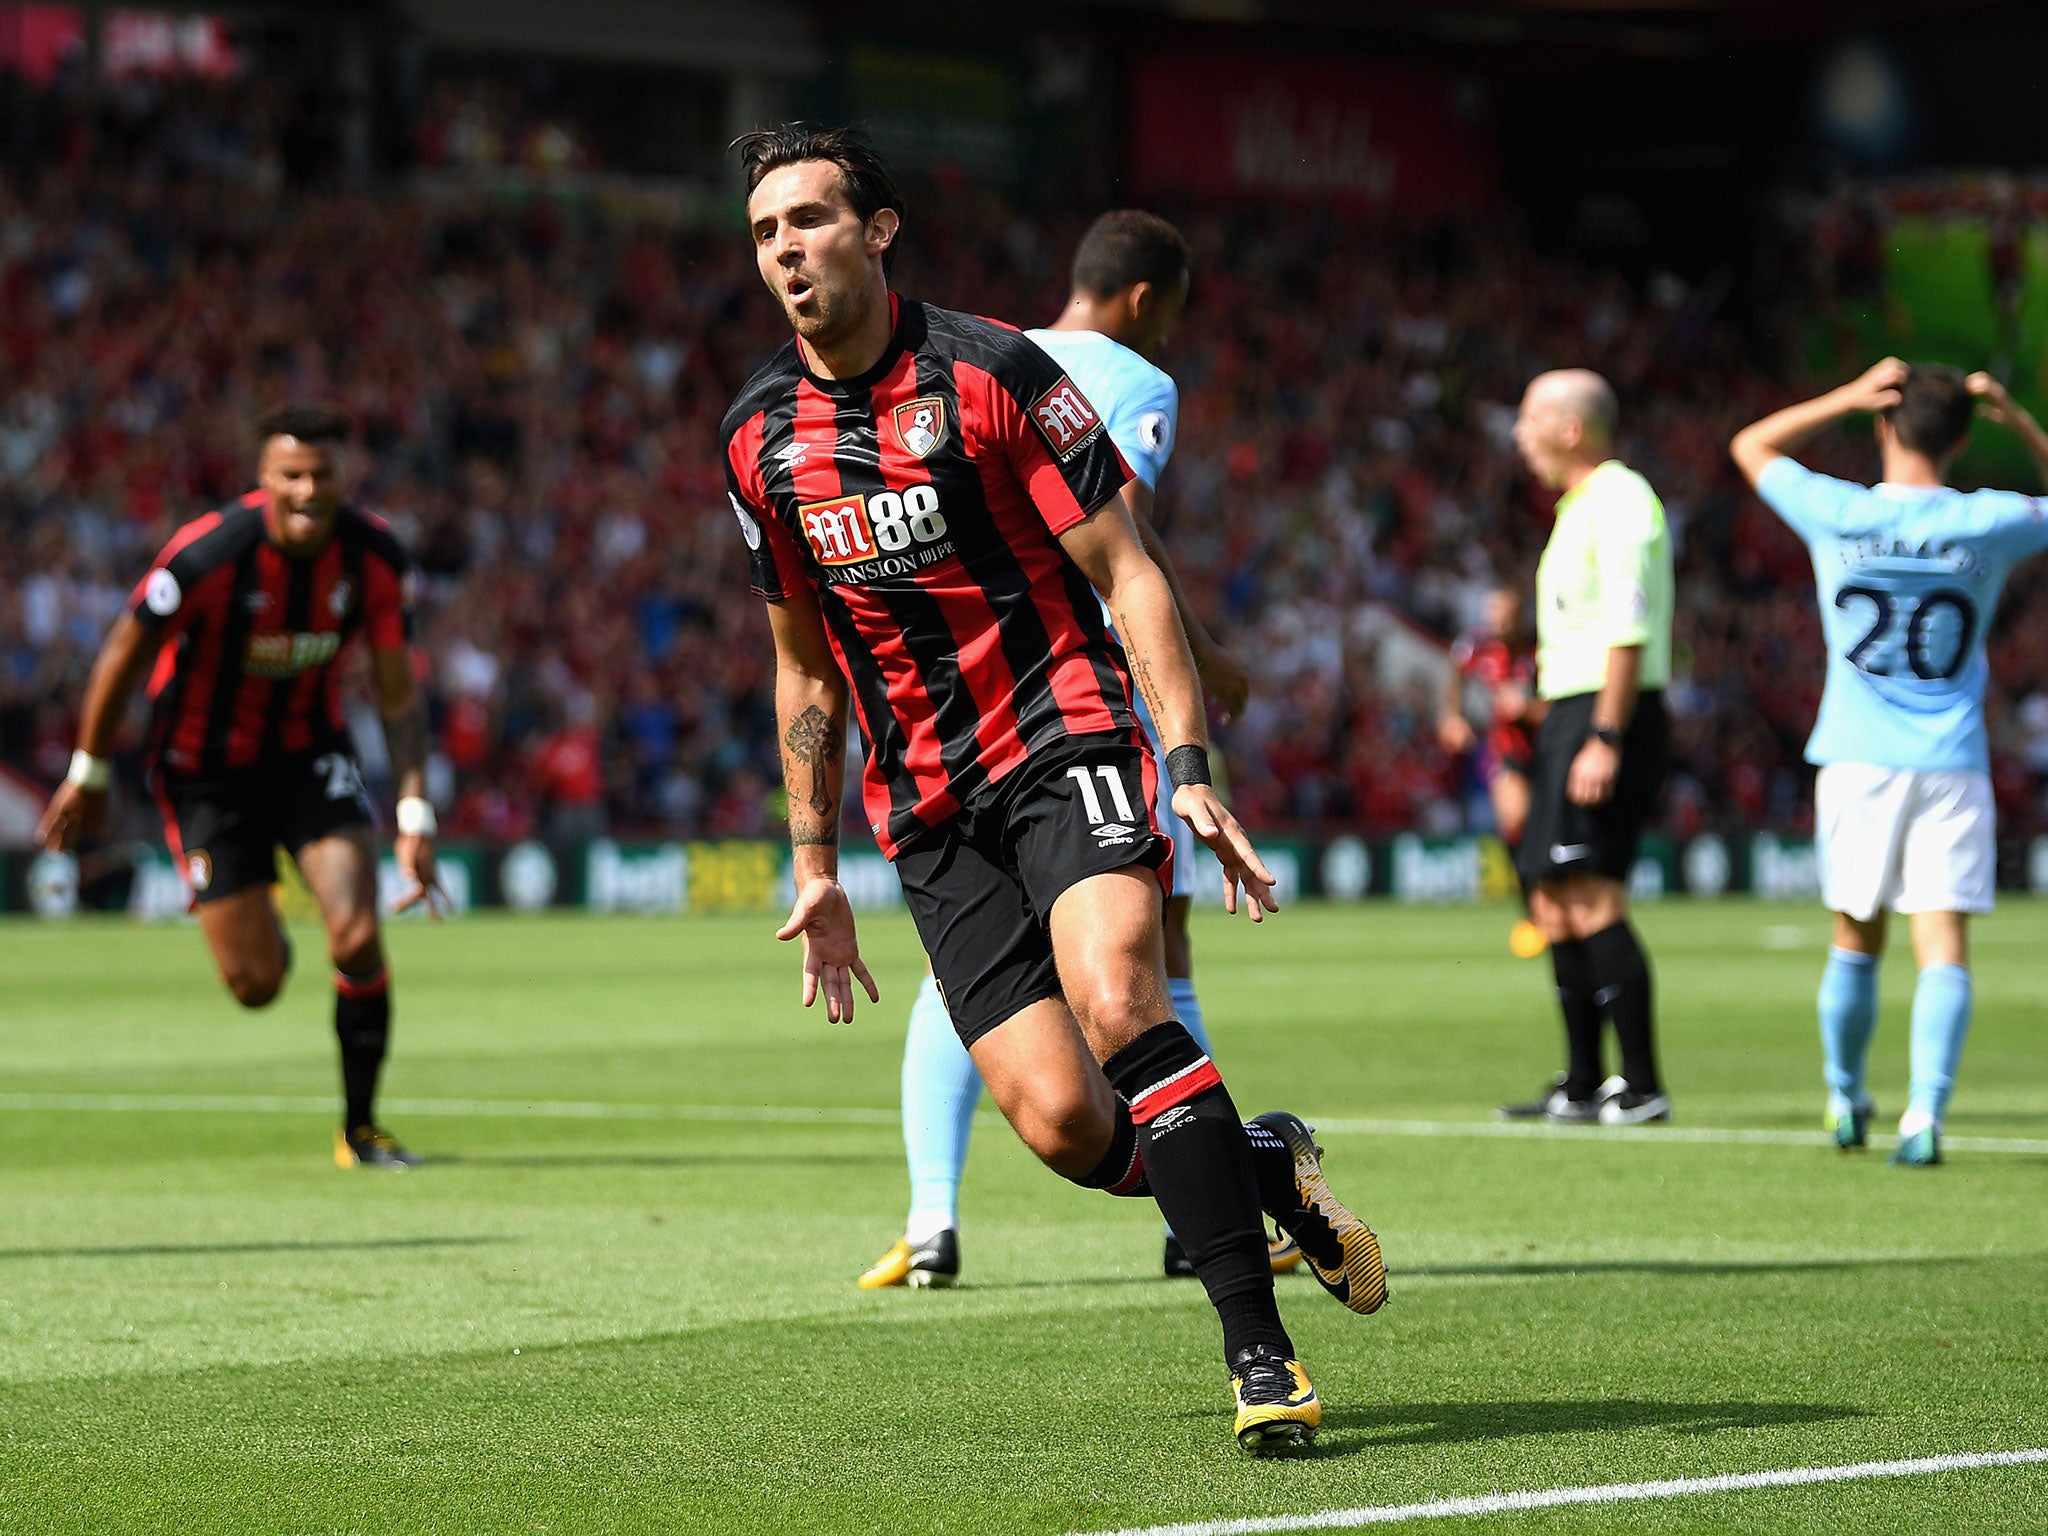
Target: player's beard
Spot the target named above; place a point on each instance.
(832, 317)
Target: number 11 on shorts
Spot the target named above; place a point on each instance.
(1092, 802)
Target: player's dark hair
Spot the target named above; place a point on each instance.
(862, 171)
(1126, 247)
(1934, 410)
(1129, 246)
(310, 421)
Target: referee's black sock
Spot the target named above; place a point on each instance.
(1199, 1165)
(1623, 974)
(362, 1023)
(1572, 963)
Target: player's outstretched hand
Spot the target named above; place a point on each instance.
(415, 855)
(824, 917)
(1994, 404)
(1455, 735)
(1877, 387)
(1199, 806)
(74, 814)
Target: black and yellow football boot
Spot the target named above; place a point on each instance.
(920, 1266)
(1342, 1252)
(371, 1146)
(1277, 1408)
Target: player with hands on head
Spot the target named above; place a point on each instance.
(931, 508)
(239, 626)
(1909, 573)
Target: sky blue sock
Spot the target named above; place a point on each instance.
(940, 1092)
(1848, 1016)
(1189, 1007)
(1941, 1018)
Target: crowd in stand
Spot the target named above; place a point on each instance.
(539, 385)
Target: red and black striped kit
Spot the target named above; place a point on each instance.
(923, 502)
(252, 636)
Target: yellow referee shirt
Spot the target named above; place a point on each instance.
(1605, 580)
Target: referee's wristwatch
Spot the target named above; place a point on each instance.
(1607, 735)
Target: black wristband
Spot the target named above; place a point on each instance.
(1187, 765)
(1610, 735)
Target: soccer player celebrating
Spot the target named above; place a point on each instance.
(1909, 573)
(1130, 281)
(931, 507)
(240, 624)
(1603, 656)
(1498, 657)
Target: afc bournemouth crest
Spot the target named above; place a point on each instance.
(921, 424)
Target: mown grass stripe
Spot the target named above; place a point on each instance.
(777, 1114)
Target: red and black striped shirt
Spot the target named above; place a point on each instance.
(252, 636)
(923, 503)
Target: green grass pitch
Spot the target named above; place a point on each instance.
(644, 1320)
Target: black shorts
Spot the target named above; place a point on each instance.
(225, 829)
(981, 887)
(1563, 839)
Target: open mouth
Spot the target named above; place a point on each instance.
(798, 289)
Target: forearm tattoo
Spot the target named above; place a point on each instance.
(1141, 671)
(817, 741)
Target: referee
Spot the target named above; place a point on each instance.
(1603, 657)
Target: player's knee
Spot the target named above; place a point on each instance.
(255, 986)
(352, 942)
(1064, 1127)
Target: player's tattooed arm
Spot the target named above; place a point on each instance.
(814, 746)
(811, 699)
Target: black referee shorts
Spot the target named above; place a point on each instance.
(981, 887)
(225, 829)
(1563, 839)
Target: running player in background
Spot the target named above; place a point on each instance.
(931, 508)
(1909, 574)
(1130, 281)
(240, 625)
(1499, 656)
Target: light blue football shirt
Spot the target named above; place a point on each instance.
(1138, 403)
(1909, 578)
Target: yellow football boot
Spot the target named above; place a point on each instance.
(1277, 1408)
(927, 1265)
(1342, 1252)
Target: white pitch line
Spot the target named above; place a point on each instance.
(1594, 1134)
(1610, 1493)
(782, 1114)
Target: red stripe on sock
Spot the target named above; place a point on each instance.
(356, 988)
(1197, 1077)
(1133, 1176)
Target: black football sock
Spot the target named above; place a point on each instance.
(362, 1023)
(1273, 1167)
(1623, 973)
(1200, 1166)
(1122, 1169)
(1572, 963)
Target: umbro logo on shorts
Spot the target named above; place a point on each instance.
(1112, 834)
(1569, 853)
